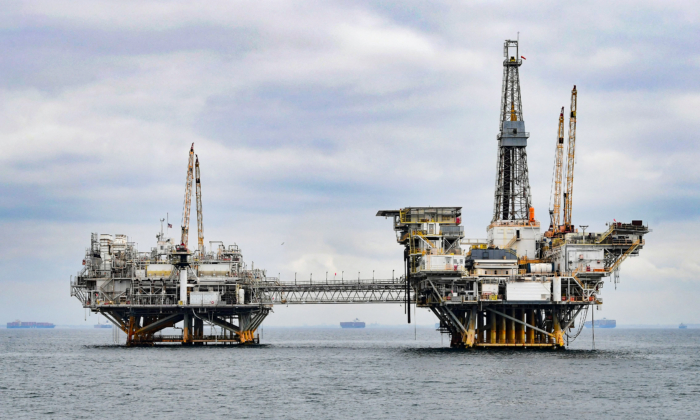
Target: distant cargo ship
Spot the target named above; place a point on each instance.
(682, 326)
(354, 324)
(20, 324)
(603, 323)
(103, 325)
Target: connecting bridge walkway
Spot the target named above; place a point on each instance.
(334, 291)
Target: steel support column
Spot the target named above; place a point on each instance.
(520, 328)
(187, 328)
(558, 334)
(471, 327)
(511, 328)
(502, 330)
(481, 330)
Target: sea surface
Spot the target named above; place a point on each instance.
(373, 373)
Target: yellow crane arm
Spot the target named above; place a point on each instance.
(200, 226)
(558, 164)
(188, 200)
(568, 196)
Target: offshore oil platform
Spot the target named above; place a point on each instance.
(142, 293)
(519, 287)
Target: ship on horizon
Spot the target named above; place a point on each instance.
(353, 324)
(603, 323)
(21, 324)
(682, 326)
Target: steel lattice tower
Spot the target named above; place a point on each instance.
(512, 198)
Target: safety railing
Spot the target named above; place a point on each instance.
(460, 298)
(337, 282)
(577, 299)
(473, 241)
(433, 215)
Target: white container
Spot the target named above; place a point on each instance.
(531, 291)
(443, 262)
(159, 270)
(540, 268)
(196, 298)
(214, 270)
(489, 288)
(556, 289)
(205, 298)
(241, 296)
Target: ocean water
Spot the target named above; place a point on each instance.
(304, 373)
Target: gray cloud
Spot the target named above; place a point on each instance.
(308, 117)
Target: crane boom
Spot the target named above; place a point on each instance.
(568, 196)
(558, 163)
(188, 201)
(200, 226)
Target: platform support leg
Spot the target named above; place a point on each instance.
(520, 329)
(187, 328)
(130, 331)
(471, 327)
(511, 327)
(198, 330)
(480, 327)
(501, 329)
(558, 333)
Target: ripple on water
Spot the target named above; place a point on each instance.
(334, 373)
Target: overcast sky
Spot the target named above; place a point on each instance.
(308, 117)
